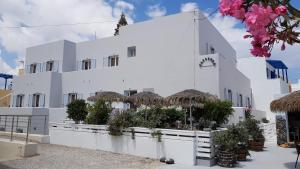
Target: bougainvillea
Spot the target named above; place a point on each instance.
(267, 22)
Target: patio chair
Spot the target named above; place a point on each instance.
(298, 152)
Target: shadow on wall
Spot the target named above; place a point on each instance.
(291, 165)
(2, 166)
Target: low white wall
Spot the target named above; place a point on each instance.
(181, 145)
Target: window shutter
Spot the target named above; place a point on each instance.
(105, 62)
(14, 101)
(44, 67)
(93, 63)
(30, 100)
(55, 66)
(41, 101)
(79, 65)
(27, 69)
(38, 67)
(65, 100)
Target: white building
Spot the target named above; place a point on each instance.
(164, 55)
(295, 86)
(269, 80)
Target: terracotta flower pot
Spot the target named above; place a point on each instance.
(226, 159)
(257, 144)
(241, 154)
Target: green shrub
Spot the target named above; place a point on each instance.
(173, 115)
(213, 114)
(253, 128)
(77, 111)
(120, 121)
(98, 113)
(226, 140)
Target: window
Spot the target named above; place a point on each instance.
(72, 97)
(33, 68)
(113, 61)
(36, 100)
(49, 66)
(230, 95)
(86, 64)
(212, 50)
(241, 100)
(131, 52)
(19, 100)
(248, 102)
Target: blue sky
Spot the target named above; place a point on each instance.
(13, 42)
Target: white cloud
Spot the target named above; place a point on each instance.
(37, 12)
(190, 6)
(156, 11)
(5, 68)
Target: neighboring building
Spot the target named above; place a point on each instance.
(5, 98)
(164, 55)
(295, 86)
(269, 80)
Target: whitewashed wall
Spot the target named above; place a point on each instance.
(181, 145)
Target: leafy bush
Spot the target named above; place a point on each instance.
(217, 112)
(226, 140)
(77, 110)
(98, 113)
(253, 128)
(120, 121)
(156, 117)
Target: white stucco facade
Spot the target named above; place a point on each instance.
(265, 87)
(172, 53)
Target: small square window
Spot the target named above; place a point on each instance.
(33, 68)
(131, 51)
(86, 64)
(113, 61)
(49, 66)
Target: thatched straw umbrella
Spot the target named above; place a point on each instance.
(288, 103)
(145, 98)
(189, 98)
(108, 96)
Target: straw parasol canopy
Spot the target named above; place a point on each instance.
(190, 97)
(108, 96)
(288, 103)
(145, 98)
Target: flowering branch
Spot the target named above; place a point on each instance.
(267, 22)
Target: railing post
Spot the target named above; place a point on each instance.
(45, 125)
(17, 123)
(28, 127)
(5, 123)
(12, 128)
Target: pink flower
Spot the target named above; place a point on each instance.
(281, 10)
(232, 8)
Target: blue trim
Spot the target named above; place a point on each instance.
(277, 64)
(6, 76)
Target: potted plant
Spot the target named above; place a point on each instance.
(240, 132)
(256, 139)
(227, 144)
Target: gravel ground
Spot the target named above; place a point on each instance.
(61, 157)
